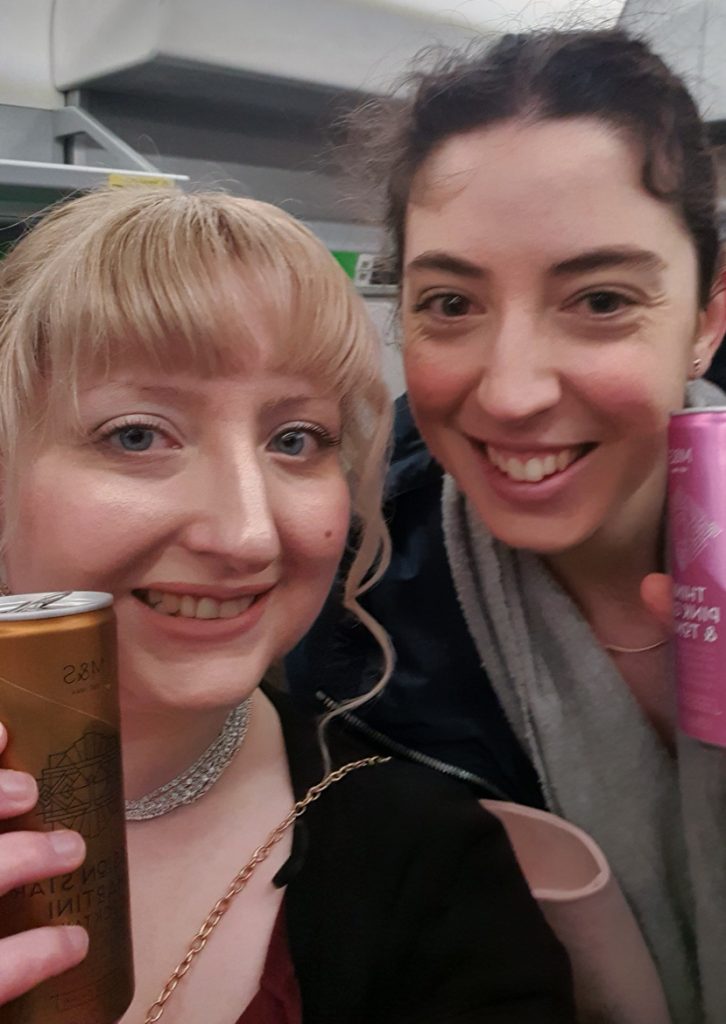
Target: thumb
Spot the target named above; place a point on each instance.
(656, 591)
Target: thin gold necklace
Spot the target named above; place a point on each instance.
(635, 650)
(240, 880)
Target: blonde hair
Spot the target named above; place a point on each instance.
(161, 276)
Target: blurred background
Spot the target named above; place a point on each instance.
(246, 95)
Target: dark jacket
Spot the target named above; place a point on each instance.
(717, 369)
(439, 707)
(404, 902)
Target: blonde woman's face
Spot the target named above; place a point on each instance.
(551, 320)
(214, 510)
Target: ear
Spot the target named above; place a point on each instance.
(711, 324)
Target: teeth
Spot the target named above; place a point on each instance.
(188, 607)
(170, 604)
(534, 469)
(207, 608)
(228, 609)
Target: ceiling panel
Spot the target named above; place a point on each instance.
(515, 15)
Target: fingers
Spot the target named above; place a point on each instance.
(18, 790)
(656, 591)
(32, 957)
(18, 793)
(30, 856)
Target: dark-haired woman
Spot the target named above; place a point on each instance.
(552, 205)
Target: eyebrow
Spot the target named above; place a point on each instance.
(594, 259)
(165, 391)
(290, 402)
(439, 260)
(616, 256)
(272, 405)
(157, 390)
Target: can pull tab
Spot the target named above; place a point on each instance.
(36, 604)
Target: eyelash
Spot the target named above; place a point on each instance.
(624, 301)
(323, 436)
(425, 304)
(106, 433)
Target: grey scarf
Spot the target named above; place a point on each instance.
(660, 822)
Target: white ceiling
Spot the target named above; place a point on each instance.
(515, 15)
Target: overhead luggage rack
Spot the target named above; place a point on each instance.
(27, 187)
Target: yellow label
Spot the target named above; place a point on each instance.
(117, 180)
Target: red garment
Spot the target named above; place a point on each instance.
(277, 1000)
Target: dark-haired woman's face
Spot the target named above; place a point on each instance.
(551, 324)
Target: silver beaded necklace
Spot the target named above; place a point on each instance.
(196, 780)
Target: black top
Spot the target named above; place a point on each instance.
(404, 902)
(439, 705)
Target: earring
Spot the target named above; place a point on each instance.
(695, 372)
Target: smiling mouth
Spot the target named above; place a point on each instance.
(534, 468)
(186, 606)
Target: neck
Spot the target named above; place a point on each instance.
(159, 743)
(604, 576)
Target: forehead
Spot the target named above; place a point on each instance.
(548, 189)
(259, 383)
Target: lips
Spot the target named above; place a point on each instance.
(189, 606)
(533, 468)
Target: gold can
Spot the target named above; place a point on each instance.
(59, 702)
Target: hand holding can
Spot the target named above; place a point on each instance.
(697, 533)
(31, 957)
(59, 703)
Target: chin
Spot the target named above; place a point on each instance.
(190, 686)
(540, 536)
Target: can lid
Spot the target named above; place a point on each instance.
(52, 604)
(695, 412)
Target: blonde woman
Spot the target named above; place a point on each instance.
(211, 415)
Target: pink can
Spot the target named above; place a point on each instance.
(697, 527)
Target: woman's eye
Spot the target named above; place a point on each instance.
(136, 438)
(291, 442)
(449, 305)
(605, 303)
(302, 441)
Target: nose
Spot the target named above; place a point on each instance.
(233, 518)
(520, 377)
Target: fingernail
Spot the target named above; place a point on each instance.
(77, 937)
(66, 843)
(16, 785)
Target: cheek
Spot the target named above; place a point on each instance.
(437, 380)
(74, 530)
(52, 530)
(640, 399)
(314, 528)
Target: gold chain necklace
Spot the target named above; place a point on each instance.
(636, 650)
(243, 876)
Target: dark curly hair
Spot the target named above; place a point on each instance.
(550, 75)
